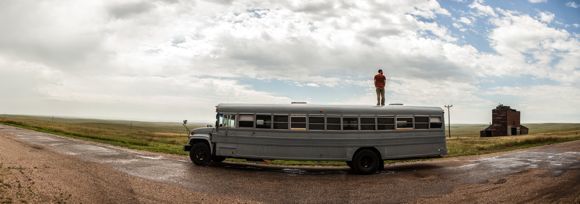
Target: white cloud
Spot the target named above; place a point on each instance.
(166, 59)
(546, 17)
(537, 1)
(48, 92)
(530, 46)
(481, 9)
(465, 20)
(537, 103)
(572, 4)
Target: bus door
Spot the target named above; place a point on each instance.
(221, 124)
(229, 122)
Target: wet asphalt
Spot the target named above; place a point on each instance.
(402, 182)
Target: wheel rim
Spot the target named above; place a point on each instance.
(199, 155)
(367, 162)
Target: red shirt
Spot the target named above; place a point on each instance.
(380, 81)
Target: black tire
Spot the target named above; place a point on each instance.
(200, 154)
(218, 159)
(366, 161)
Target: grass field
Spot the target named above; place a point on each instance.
(151, 136)
(170, 137)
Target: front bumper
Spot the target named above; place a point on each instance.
(187, 147)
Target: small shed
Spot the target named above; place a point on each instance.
(505, 122)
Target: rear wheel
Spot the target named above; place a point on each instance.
(366, 161)
(200, 154)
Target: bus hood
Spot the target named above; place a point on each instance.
(203, 130)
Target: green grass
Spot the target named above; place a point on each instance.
(169, 137)
(465, 139)
(150, 136)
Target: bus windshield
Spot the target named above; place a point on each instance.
(219, 120)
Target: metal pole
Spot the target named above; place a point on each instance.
(449, 118)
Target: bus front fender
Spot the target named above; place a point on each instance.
(195, 138)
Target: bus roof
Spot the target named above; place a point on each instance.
(328, 109)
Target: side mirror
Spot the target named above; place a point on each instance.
(186, 128)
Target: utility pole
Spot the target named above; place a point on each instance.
(449, 118)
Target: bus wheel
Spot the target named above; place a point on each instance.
(366, 161)
(218, 159)
(200, 154)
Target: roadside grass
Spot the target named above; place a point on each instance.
(465, 139)
(476, 146)
(149, 136)
(170, 137)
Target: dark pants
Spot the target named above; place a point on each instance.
(381, 96)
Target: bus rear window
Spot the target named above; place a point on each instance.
(246, 121)
(435, 122)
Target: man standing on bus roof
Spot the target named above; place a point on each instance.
(380, 81)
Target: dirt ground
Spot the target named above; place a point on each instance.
(31, 174)
(43, 168)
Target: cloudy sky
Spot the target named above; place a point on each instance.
(167, 60)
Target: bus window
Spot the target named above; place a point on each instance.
(226, 121)
(246, 121)
(264, 121)
(298, 122)
(230, 121)
(332, 123)
(435, 122)
(316, 123)
(368, 124)
(281, 122)
(220, 120)
(350, 123)
(403, 123)
(385, 123)
(421, 122)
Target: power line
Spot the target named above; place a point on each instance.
(449, 118)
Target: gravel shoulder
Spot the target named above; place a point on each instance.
(43, 168)
(33, 174)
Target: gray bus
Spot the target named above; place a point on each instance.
(362, 136)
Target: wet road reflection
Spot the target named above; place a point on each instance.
(397, 182)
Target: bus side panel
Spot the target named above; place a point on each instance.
(433, 147)
(328, 145)
(305, 153)
(280, 151)
(239, 150)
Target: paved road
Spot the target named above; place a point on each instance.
(544, 174)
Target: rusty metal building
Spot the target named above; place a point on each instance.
(505, 122)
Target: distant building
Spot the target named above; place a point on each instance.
(505, 121)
